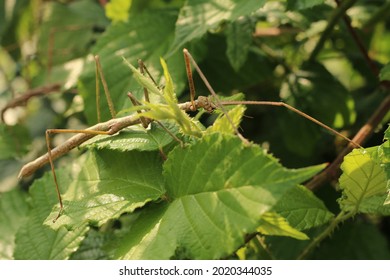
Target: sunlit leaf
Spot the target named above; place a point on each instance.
(34, 240)
(118, 10)
(274, 224)
(110, 184)
(211, 202)
(362, 181)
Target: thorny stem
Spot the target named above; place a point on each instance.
(359, 43)
(337, 14)
(341, 217)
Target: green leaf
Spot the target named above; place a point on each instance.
(274, 224)
(316, 92)
(354, 241)
(384, 75)
(136, 138)
(171, 110)
(14, 141)
(67, 30)
(301, 5)
(362, 181)
(37, 241)
(118, 10)
(133, 40)
(199, 16)
(143, 80)
(216, 192)
(302, 209)
(13, 212)
(92, 247)
(223, 125)
(239, 39)
(109, 184)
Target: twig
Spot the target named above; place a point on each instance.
(337, 14)
(341, 217)
(333, 170)
(21, 100)
(359, 43)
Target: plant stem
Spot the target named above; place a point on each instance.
(337, 14)
(341, 217)
(359, 44)
(332, 171)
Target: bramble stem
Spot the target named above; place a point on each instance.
(337, 14)
(341, 217)
(365, 131)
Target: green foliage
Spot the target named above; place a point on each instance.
(187, 187)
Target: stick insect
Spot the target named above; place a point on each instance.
(141, 116)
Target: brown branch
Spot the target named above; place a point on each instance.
(22, 100)
(359, 43)
(333, 170)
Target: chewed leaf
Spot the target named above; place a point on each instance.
(217, 190)
(274, 224)
(363, 179)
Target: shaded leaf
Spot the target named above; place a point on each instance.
(384, 75)
(354, 241)
(14, 141)
(68, 30)
(302, 209)
(316, 92)
(92, 247)
(301, 5)
(13, 212)
(197, 17)
(239, 39)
